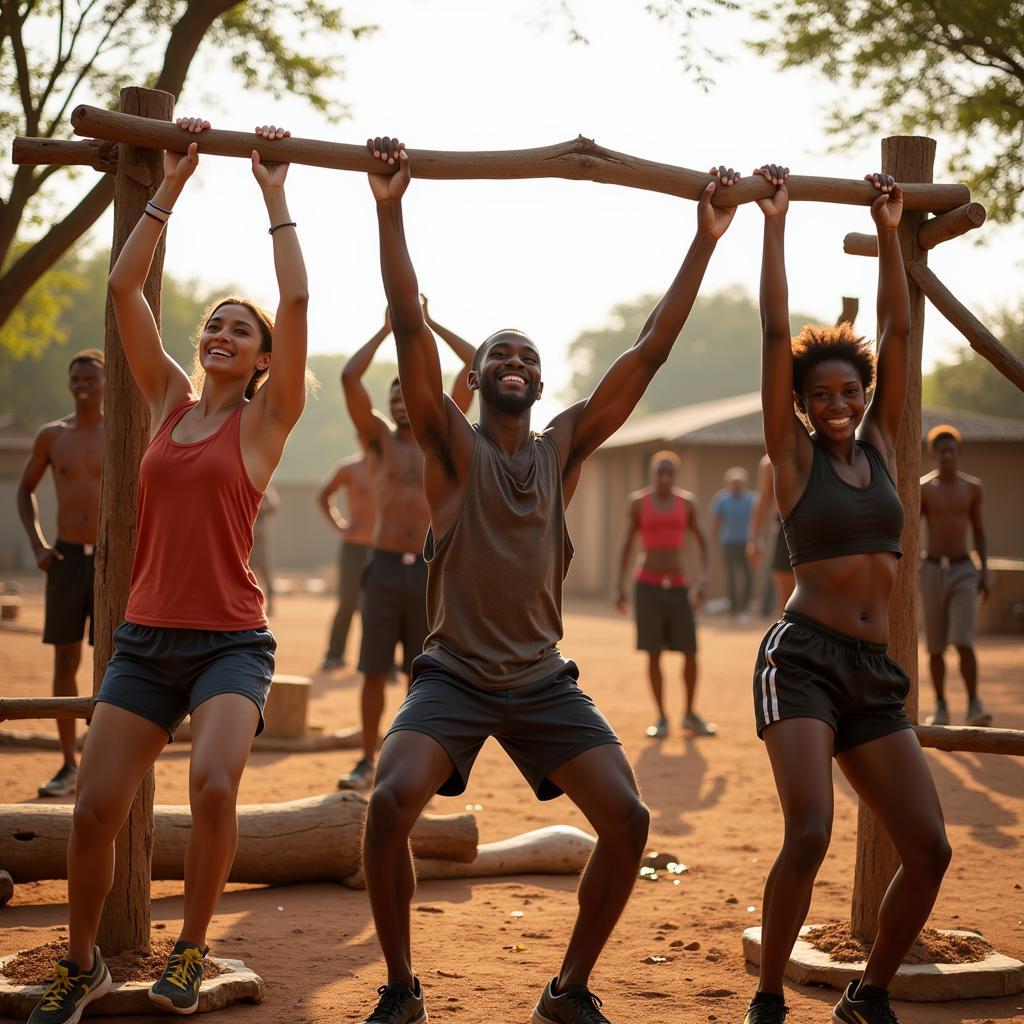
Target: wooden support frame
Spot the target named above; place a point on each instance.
(949, 225)
(580, 159)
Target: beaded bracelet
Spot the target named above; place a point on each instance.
(283, 224)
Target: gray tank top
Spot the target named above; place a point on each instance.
(494, 577)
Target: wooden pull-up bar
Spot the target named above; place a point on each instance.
(579, 160)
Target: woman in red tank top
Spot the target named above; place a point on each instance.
(663, 515)
(195, 639)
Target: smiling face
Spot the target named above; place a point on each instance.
(85, 382)
(508, 376)
(833, 399)
(231, 346)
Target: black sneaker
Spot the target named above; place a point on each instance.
(63, 783)
(766, 1013)
(361, 777)
(399, 1004)
(850, 1010)
(71, 991)
(576, 1005)
(178, 987)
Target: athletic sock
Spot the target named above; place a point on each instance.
(870, 993)
(767, 997)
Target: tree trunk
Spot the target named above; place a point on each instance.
(125, 921)
(311, 840)
(906, 158)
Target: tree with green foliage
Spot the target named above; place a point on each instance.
(53, 54)
(972, 383)
(950, 66)
(718, 353)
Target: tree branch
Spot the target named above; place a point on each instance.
(10, 15)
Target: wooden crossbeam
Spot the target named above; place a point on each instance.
(978, 336)
(972, 738)
(24, 708)
(933, 231)
(580, 159)
(95, 153)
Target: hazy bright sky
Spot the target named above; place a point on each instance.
(550, 257)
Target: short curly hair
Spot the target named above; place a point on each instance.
(814, 345)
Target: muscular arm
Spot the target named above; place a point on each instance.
(357, 398)
(28, 509)
(461, 394)
(583, 428)
(338, 479)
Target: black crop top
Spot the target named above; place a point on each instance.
(834, 518)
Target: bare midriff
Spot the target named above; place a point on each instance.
(76, 456)
(362, 514)
(947, 511)
(396, 474)
(662, 562)
(849, 594)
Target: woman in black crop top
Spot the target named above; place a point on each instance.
(824, 685)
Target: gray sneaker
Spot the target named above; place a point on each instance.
(177, 989)
(659, 730)
(399, 1004)
(71, 991)
(977, 715)
(576, 1005)
(62, 784)
(697, 725)
(941, 715)
(360, 778)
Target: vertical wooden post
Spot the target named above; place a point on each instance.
(906, 158)
(125, 921)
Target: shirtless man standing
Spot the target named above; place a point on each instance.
(352, 475)
(394, 601)
(73, 448)
(950, 584)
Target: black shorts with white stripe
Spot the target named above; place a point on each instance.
(806, 670)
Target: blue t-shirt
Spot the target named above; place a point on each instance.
(732, 512)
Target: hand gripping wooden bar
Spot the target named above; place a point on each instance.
(578, 160)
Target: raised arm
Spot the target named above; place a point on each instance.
(357, 398)
(626, 558)
(461, 394)
(284, 395)
(887, 405)
(339, 478)
(431, 414)
(581, 429)
(28, 509)
(162, 382)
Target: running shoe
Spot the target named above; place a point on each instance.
(71, 990)
(659, 730)
(941, 715)
(766, 1013)
(330, 663)
(862, 1011)
(178, 987)
(62, 784)
(361, 777)
(697, 725)
(399, 1004)
(576, 1005)
(977, 715)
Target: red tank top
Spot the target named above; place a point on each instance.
(196, 510)
(660, 529)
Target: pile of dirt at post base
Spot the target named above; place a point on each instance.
(930, 947)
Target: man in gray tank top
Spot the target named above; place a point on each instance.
(497, 551)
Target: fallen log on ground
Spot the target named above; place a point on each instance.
(315, 839)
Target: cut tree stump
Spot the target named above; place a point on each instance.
(287, 707)
(310, 840)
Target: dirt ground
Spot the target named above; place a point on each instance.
(712, 802)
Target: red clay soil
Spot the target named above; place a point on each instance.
(931, 947)
(676, 957)
(35, 966)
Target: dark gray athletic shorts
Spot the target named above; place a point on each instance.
(69, 594)
(393, 610)
(541, 725)
(164, 674)
(806, 670)
(664, 619)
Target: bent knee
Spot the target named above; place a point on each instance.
(931, 857)
(627, 827)
(94, 820)
(807, 842)
(393, 810)
(214, 797)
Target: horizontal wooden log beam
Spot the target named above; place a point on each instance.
(857, 243)
(979, 337)
(22, 708)
(579, 160)
(972, 739)
(95, 153)
(950, 225)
